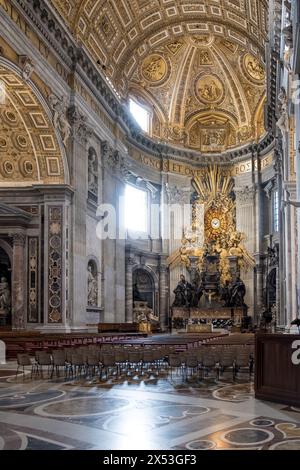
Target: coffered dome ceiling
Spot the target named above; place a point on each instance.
(197, 65)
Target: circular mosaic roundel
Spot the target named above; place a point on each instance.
(54, 301)
(254, 68)
(55, 242)
(209, 89)
(154, 68)
(3, 143)
(201, 445)
(247, 436)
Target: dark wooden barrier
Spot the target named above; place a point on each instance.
(118, 327)
(277, 369)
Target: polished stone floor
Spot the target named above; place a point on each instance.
(140, 412)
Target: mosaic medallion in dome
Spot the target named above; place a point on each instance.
(155, 69)
(209, 89)
(254, 68)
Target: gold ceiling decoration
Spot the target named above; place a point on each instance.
(254, 68)
(199, 65)
(154, 68)
(209, 89)
(29, 151)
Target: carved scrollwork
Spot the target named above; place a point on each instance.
(27, 66)
(81, 129)
(245, 195)
(177, 195)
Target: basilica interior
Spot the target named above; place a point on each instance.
(149, 211)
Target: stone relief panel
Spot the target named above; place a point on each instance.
(33, 278)
(55, 254)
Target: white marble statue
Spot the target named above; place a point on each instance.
(60, 121)
(5, 296)
(93, 174)
(92, 289)
(283, 121)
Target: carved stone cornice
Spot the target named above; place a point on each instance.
(115, 162)
(110, 157)
(176, 195)
(161, 269)
(130, 261)
(270, 187)
(19, 239)
(245, 196)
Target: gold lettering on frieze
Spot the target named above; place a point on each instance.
(241, 168)
(150, 162)
(246, 167)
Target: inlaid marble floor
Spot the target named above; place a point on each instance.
(145, 412)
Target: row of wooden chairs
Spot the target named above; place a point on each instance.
(91, 360)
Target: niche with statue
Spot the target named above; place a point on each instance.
(92, 284)
(144, 298)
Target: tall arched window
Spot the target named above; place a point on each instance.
(136, 210)
(141, 114)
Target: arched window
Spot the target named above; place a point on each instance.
(141, 114)
(136, 210)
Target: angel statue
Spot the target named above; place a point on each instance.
(238, 249)
(60, 121)
(283, 121)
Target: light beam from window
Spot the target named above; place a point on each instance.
(136, 209)
(140, 114)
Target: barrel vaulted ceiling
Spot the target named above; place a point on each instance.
(197, 64)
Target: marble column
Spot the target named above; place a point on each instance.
(245, 200)
(81, 133)
(278, 167)
(130, 262)
(113, 260)
(176, 198)
(290, 255)
(163, 297)
(18, 282)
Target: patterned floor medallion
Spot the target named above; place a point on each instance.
(140, 411)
